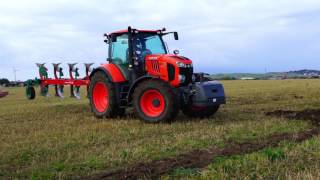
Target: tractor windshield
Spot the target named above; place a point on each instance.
(148, 43)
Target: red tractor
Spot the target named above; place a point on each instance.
(143, 74)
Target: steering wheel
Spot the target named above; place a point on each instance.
(145, 52)
(117, 61)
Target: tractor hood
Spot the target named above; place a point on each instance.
(170, 58)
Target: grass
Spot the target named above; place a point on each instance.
(289, 161)
(49, 138)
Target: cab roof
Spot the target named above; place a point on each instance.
(140, 30)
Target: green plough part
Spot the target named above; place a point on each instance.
(30, 84)
(43, 71)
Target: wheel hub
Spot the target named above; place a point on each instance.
(152, 103)
(100, 97)
(156, 103)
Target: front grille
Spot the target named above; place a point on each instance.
(188, 73)
(155, 65)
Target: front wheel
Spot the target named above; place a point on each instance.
(155, 101)
(200, 112)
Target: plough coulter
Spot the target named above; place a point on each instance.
(74, 80)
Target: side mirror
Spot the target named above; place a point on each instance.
(176, 52)
(176, 37)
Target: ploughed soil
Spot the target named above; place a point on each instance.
(312, 115)
(202, 158)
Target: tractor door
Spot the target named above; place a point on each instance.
(119, 53)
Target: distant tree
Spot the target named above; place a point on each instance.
(228, 78)
(4, 81)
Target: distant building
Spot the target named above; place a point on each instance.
(15, 84)
(278, 77)
(311, 75)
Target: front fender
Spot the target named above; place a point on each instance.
(135, 84)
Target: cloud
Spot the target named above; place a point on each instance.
(220, 36)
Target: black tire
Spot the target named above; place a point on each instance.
(170, 97)
(30, 92)
(121, 112)
(204, 112)
(112, 110)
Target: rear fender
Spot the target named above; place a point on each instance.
(112, 72)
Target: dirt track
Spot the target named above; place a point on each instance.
(202, 158)
(309, 114)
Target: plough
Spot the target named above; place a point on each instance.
(74, 80)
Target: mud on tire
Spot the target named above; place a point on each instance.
(155, 101)
(102, 96)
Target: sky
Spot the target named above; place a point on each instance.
(219, 36)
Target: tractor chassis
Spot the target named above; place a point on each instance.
(200, 94)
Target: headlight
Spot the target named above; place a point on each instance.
(181, 65)
(182, 78)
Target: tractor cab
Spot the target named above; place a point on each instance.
(130, 50)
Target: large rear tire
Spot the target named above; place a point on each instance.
(200, 112)
(155, 101)
(102, 95)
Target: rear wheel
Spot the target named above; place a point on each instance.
(200, 112)
(155, 101)
(103, 97)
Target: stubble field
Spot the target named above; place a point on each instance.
(50, 138)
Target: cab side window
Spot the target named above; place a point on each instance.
(119, 50)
